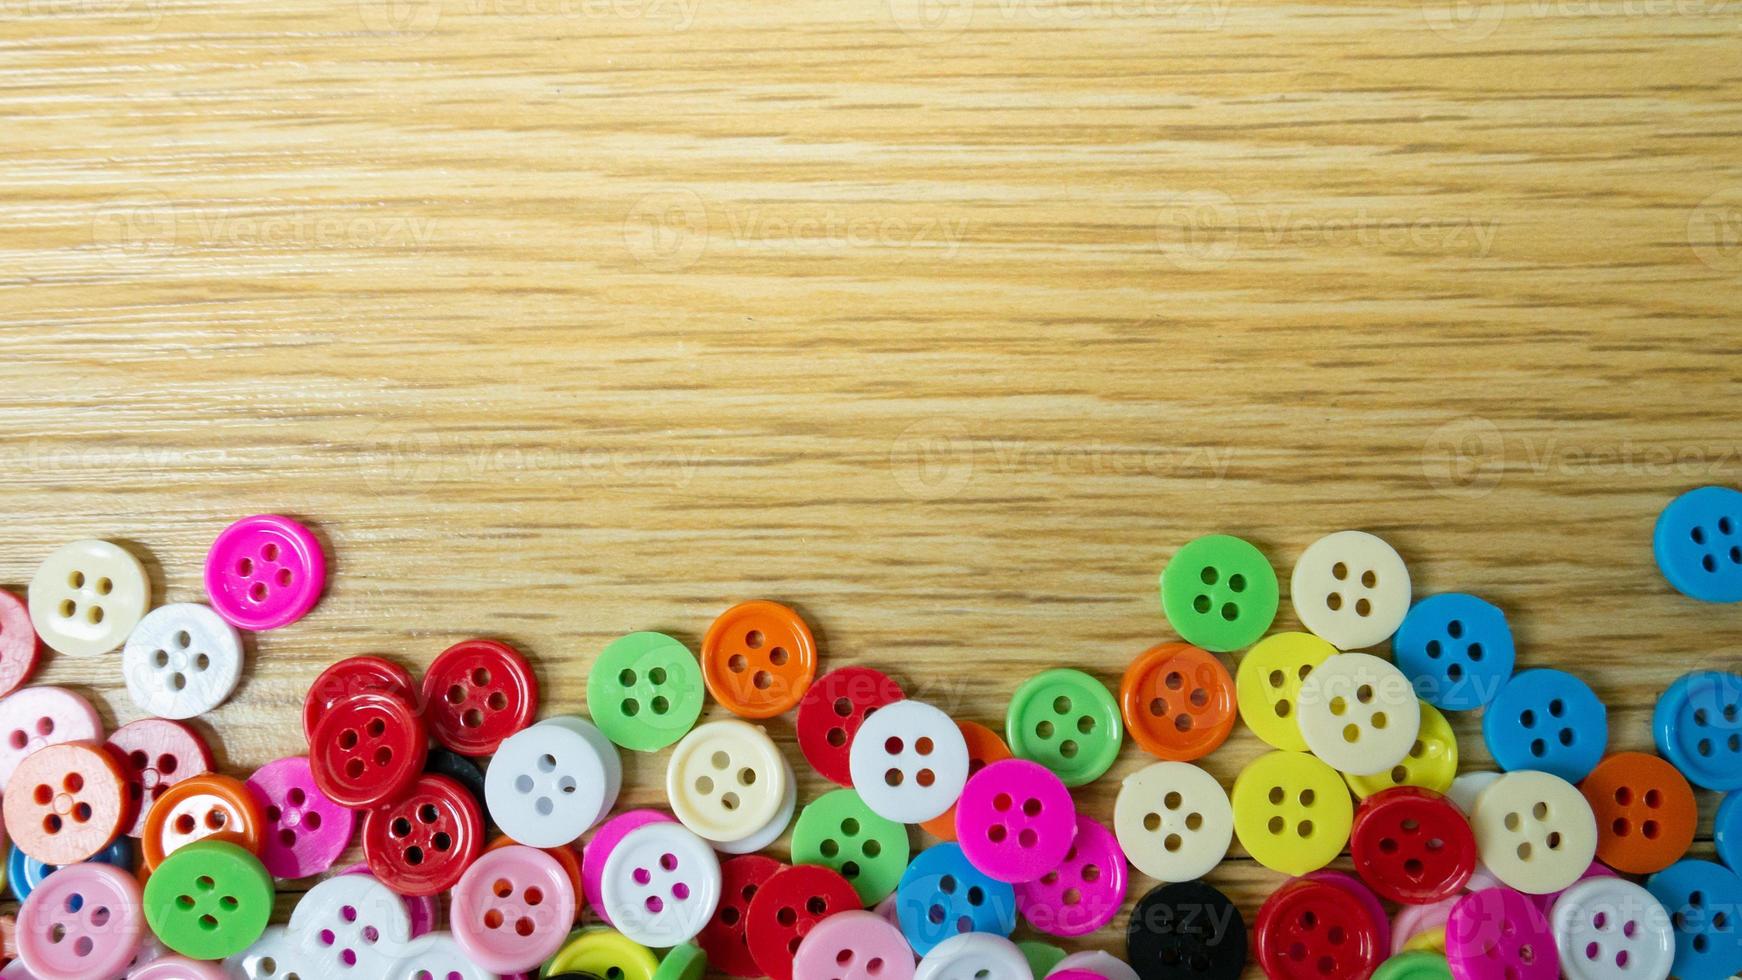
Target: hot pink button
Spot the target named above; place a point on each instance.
(1015, 820)
(178, 968)
(82, 921)
(512, 909)
(155, 754)
(854, 945)
(264, 572)
(1369, 901)
(1498, 932)
(422, 910)
(603, 842)
(1085, 892)
(305, 832)
(37, 716)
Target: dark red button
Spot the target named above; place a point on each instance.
(154, 754)
(833, 709)
(477, 693)
(354, 675)
(19, 645)
(421, 844)
(723, 937)
(786, 907)
(1310, 930)
(1412, 845)
(367, 750)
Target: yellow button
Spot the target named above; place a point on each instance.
(1427, 941)
(1267, 685)
(1291, 812)
(1432, 762)
(605, 952)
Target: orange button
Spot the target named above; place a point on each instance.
(758, 659)
(66, 802)
(200, 807)
(564, 855)
(1178, 702)
(1645, 812)
(984, 748)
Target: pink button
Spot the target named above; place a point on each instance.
(305, 832)
(1015, 820)
(19, 645)
(178, 968)
(1498, 932)
(82, 921)
(603, 842)
(1369, 901)
(264, 572)
(155, 754)
(1085, 892)
(422, 910)
(33, 717)
(854, 945)
(1074, 975)
(1413, 920)
(512, 909)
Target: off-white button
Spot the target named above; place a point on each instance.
(87, 597)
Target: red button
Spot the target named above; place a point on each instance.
(367, 749)
(354, 675)
(421, 844)
(723, 937)
(785, 908)
(1310, 930)
(155, 754)
(19, 645)
(1412, 845)
(477, 693)
(833, 709)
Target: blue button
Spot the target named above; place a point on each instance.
(941, 894)
(1698, 543)
(1727, 830)
(1549, 720)
(1698, 726)
(24, 872)
(1702, 899)
(1456, 649)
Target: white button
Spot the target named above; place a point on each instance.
(972, 955)
(1358, 713)
(182, 660)
(1534, 831)
(908, 762)
(772, 830)
(435, 956)
(1611, 929)
(726, 780)
(1351, 589)
(1173, 821)
(660, 884)
(87, 596)
(274, 956)
(548, 784)
(1095, 961)
(609, 756)
(1467, 788)
(349, 926)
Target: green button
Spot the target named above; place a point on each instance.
(209, 900)
(1414, 966)
(645, 691)
(1219, 592)
(685, 962)
(1042, 957)
(837, 830)
(1068, 722)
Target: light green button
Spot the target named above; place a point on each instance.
(838, 831)
(1042, 957)
(685, 962)
(1068, 722)
(1414, 966)
(209, 900)
(1219, 593)
(645, 691)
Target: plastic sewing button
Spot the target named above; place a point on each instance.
(786, 907)
(1173, 821)
(1084, 892)
(437, 956)
(854, 945)
(19, 646)
(1456, 649)
(264, 572)
(1698, 726)
(1547, 720)
(1423, 926)
(155, 754)
(685, 961)
(1315, 929)
(1645, 812)
(350, 926)
(603, 953)
(1701, 899)
(181, 660)
(941, 894)
(1412, 846)
(645, 691)
(1596, 869)
(661, 884)
(1698, 544)
(599, 848)
(197, 808)
(723, 937)
(984, 748)
(87, 596)
(550, 783)
(1610, 929)
(85, 921)
(758, 658)
(477, 693)
(1727, 831)
(178, 968)
(1535, 831)
(1467, 789)
(1414, 966)
(356, 675)
(1068, 722)
(1186, 931)
(725, 780)
(1498, 932)
(512, 909)
(1363, 895)
(34, 717)
(1350, 588)
(1292, 812)
(1267, 685)
(974, 956)
(422, 842)
(1359, 714)
(209, 900)
(1015, 820)
(1042, 957)
(367, 750)
(831, 712)
(909, 761)
(422, 911)
(26, 872)
(1178, 702)
(1432, 762)
(838, 831)
(305, 832)
(447, 762)
(1098, 963)
(770, 831)
(1219, 592)
(565, 856)
(65, 803)
(274, 956)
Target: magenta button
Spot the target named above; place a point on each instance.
(264, 572)
(1498, 932)
(305, 832)
(1015, 820)
(512, 909)
(1085, 892)
(82, 921)
(604, 841)
(854, 945)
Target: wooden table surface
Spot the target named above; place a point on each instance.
(945, 321)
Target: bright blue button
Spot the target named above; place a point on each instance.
(1698, 726)
(1727, 831)
(941, 894)
(24, 872)
(1456, 649)
(1702, 899)
(1698, 543)
(1549, 720)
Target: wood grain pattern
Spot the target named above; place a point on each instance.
(946, 321)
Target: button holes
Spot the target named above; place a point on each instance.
(400, 827)
(472, 718)
(43, 795)
(1724, 526)
(1334, 601)
(976, 894)
(1068, 748)
(177, 681)
(737, 663)
(1698, 534)
(1283, 708)
(1704, 747)
(1277, 795)
(1380, 721)
(1277, 825)
(1557, 707)
(1538, 748)
(1527, 719)
(269, 551)
(704, 786)
(1152, 822)
(746, 776)
(626, 677)
(1567, 736)
(202, 662)
(656, 676)
(1454, 672)
(1363, 607)
(1304, 828)
(1230, 612)
(51, 824)
(76, 579)
(871, 848)
(763, 680)
(1061, 705)
(1277, 678)
(1339, 706)
(925, 777)
(67, 608)
(892, 777)
(1201, 604)
(778, 656)
(257, 592)
(996, 833)
(1339, 571)
(1044, 730)
(1208, 576)
(1475, 652)
(1418, 749)
(630, 707)
(104, 586)
(1158, 707)
(94, 614)
(923, 745)
(1433, 649)
(354, 769)
(1620, 827)
(1369, 578)
(1524, 851)
(1554, 840)
(1237, 582)
(1649, 828)
(1540, 810)
(753, 639)
(1709, 563)
(81, 812)
(680, 891)
(837, 737)
(546, 763)
(1304, 670)
(816, 906)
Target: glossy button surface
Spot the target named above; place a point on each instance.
(854, 945)
(1697, 724)
(209, 900)
(1701, 898)
(305, 833)
(85, 921)
(201, 807)
(723, 937)
(1267, 685)
(645, 691)
(182, 660)
(1548, 720)
(1498, 932)
(20, 648)
(1219, 592)
(477, 693)
(1412, 846)
(839, 831)
(512, 909)
(1084, 892)
(1178, 702)
(1456, 648)
(1359, 714)
(941, 894)
(725, 780)
(1534, 831)
(367, 750)
(1351, 588)
(973, 956)
(1610, 929)
(758, 659)
(1173, 821)
(549, 784)
(1186, 931)
(66, 802)
(1015, 820)
(1068, 722)
(350, 926)
(264, 572)
(1313, 929)
(87, 596)
(984, 748)
(831, 712)
(1292, 812)
(661, 884)
(1698, 544)
(155, 754)
(1645, 811)
(422, 842)
(785, 909)
(34, 717)
(909, 762)
(1432, 761)
(356, 675)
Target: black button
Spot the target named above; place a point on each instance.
(461, 770)
(1186, 931)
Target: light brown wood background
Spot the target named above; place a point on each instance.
(945, 321)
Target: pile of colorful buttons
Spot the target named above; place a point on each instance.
(133, 858)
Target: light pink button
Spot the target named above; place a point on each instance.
(305, 832)
(19, 645)
(264, 572)
(1085, 892)
(422, 910)
(512, 909)
(854, 945)
(1015, 820)
(178, 968)
(82, 921)
(603, 842)
(1074, 975)
(1413, 920)
(156, 754)
(33, 717)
